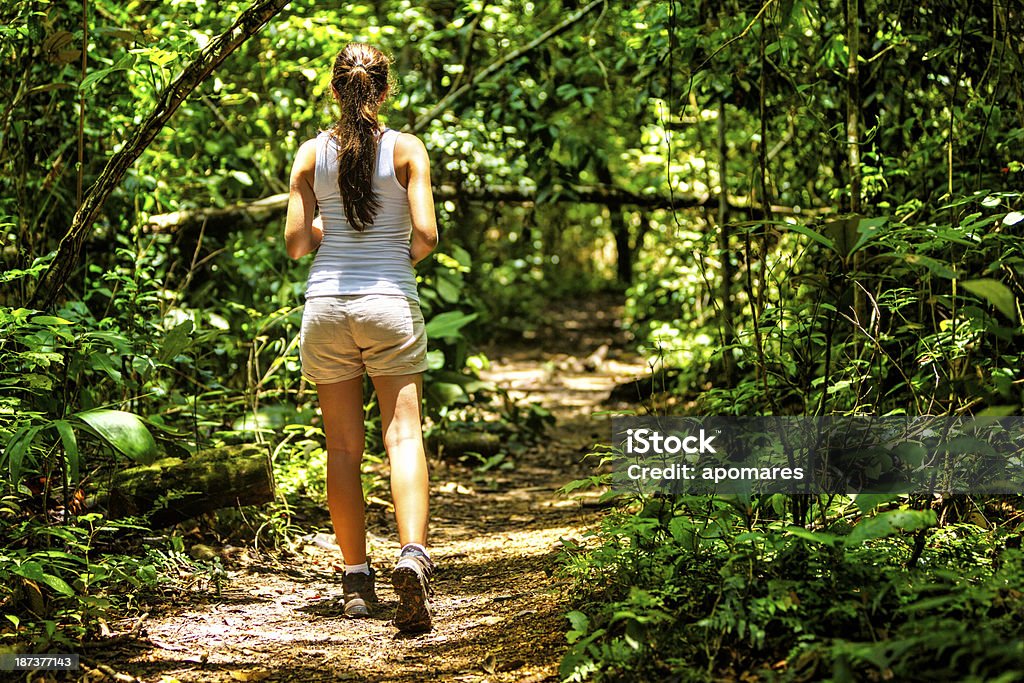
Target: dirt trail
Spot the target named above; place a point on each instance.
(497, 609)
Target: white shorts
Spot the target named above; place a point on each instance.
(343, 336)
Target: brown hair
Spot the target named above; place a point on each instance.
(360, 79)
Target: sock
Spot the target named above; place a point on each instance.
(363, 568)
(417, 546)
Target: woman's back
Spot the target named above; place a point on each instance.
(362, 316)
(374, 260)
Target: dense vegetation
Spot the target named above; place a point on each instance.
(811, 209)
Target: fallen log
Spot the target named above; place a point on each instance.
(454, 444)
(172, 490)
(218, 221)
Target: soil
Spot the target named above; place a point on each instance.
(499, 603)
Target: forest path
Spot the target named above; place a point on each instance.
(498, 612)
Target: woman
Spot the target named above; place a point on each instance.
(376, 222)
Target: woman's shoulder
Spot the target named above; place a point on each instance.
(409, 147)
(305, 156)
(407, 139)
(307, 151)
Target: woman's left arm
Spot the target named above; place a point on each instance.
(301, 236)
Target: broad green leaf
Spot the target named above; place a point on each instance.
(930, 604)
(999, 410)
(995, 293)
(161, 57)
(843, 233)
(446, 393)
(58, 554)
(447, 325)
(41, 359)
(814, 235)
(967, 445)
(58, 584)
(50, 320)
(123, 64)
(682, 530)
(242, 177)
(34, 571)
(67, 437)
(467, 382)
(176, 340)
(866, 502)
(435, 359)
(579, 621)
(910, 452)
(31, 570)
(105, 362)
(17, 447)
(446, 289)
(934, 266)
(32, 380)
(867, 229)
(124, 431)
(97, 76)
(822, 537)
(890, 523)
(462, 256)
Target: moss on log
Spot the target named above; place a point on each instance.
(172, 490)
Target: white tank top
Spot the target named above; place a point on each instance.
(376, 260)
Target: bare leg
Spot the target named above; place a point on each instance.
(342, 407)
(399, 397)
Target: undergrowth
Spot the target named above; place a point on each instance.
(699, 589)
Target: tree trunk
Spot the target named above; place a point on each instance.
(724, 233)
(620, 230)
(853, 102)
(173, 490)
(624, 253)
(853, 139)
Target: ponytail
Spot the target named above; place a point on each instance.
(360, 79)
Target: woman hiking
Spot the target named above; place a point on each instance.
(376, 222)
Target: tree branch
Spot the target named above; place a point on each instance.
(70, 249)
(275, 207)
(422, 121)
(468, 49)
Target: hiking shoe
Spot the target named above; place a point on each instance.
(411, 579)
(359, 593)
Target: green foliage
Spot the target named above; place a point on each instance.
(696, 590)
(57, 584)
(169, 341)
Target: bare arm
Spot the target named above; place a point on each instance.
(301, 235)
(421, 199)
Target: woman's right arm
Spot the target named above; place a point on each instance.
(300, 234)
(421, 199)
